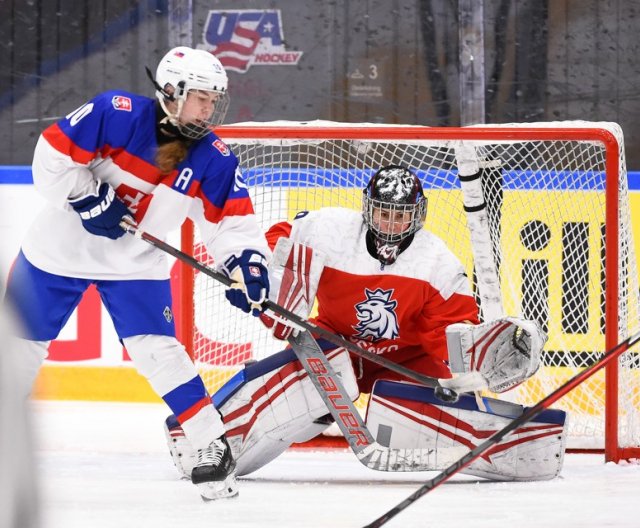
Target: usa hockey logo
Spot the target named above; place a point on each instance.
(120, 102)
(241, 38)
(377, 316)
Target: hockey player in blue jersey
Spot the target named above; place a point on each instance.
(155, 163)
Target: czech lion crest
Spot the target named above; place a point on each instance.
(377, 316)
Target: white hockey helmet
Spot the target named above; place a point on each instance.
(184, 69)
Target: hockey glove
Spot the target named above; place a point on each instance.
(501, 353)
(101, 212)
(252, 281)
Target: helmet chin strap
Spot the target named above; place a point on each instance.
(173, 118)
(167, 96)
(159, 88)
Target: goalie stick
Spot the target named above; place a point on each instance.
(443, 393)
(525, 417)
(369, 452)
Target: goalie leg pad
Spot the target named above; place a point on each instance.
(184, 456)
(267, 406)
(182, 453)
(272, 403)
(402, 415)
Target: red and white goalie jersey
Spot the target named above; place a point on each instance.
(399, 310)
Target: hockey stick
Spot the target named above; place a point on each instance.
(443, 393)
(528, 415)
(369, 452)
(470, 174)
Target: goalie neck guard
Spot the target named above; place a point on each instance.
(394, 208)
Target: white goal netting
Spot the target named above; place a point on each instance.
(552, 218)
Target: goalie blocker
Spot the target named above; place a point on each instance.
(271, 404)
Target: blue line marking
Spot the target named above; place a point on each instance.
(16, 174)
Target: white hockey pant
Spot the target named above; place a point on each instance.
(402, 415)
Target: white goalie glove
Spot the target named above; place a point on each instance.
(497, 355)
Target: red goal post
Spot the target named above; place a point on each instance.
(553, 190)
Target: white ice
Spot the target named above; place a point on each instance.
(105, 465)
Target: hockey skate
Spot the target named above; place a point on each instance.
(213, 472)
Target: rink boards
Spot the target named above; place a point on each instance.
(87, 362)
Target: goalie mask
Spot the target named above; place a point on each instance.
(191, 86)
(394, 208)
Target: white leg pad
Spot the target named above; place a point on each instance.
(182, 453)
(402, 415)
(275, 407)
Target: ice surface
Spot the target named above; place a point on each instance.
(105, 465)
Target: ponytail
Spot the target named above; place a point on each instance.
(170, 154)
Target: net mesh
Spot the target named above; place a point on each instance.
(546, 221)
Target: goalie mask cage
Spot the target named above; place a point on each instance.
(553, 244)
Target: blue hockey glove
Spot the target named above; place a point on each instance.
(252, 281)
(101, 212)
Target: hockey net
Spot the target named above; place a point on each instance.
(550, 190)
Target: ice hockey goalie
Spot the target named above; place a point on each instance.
(271, 404)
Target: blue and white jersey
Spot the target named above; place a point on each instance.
(112, 138)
